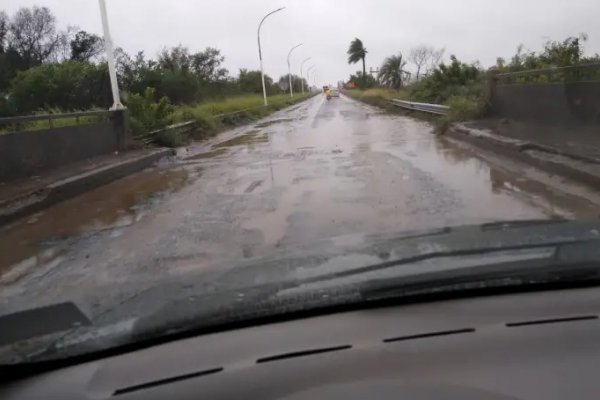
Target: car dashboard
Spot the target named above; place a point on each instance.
(539, 345)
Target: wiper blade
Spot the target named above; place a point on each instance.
(438, 254)
(570, 263)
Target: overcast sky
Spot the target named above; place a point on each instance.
(471, 29)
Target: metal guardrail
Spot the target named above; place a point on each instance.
(26, 123)
(424, 107)
(49, 117)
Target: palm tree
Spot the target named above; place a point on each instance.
(357, 52)
(392, 71)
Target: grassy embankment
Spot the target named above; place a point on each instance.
(462, 87)
(213, 117)
(379, 97)
(462, 108)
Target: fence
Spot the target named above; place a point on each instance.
(573, 73)
(562, 95)
(25, 152)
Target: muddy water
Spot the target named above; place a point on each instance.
(209, 154)
(43, 236)
(248, 138)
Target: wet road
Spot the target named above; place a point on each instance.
(319, 169)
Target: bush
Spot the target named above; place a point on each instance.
(173, 138)
(455, 79)
(463, 108)
(147, 114)
(205, 123)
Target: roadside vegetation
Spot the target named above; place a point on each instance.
(209, 117)
(46, 70)
(379, 96)
(464, 87)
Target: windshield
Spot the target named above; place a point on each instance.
(159, 155)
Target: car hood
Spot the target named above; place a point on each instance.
(328, 273)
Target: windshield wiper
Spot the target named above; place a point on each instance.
(457, 254)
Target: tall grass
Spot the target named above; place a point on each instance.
(379, 97)
(212, 117)
(241, 102)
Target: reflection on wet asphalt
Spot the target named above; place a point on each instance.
(321, 169)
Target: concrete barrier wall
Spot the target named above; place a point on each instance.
(548, 103)
(25, 154)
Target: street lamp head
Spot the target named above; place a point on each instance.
(265, 17)
(292, 49)
(302, 63)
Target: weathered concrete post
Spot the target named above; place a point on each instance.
(120, 122)
(492, 81)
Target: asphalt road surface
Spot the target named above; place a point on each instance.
(316, 170)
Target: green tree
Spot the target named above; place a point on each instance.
(392, 72)
(251, 81)
(357, 52)
(70, 85)
(136, 74)
(32, 33)
(4, 23)
(205, 65)
(284, 83)
(359, 80)
(85, 46)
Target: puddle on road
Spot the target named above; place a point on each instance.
(210, 154)
(249, 138)
(472, 175)
(28, 242)
(273, 121)
(559, 204)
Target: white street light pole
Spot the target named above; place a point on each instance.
(289, 69)
(110, 58)
(301, 75)
(308, 73)
(262, 74)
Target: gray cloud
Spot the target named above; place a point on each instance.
(471, 29)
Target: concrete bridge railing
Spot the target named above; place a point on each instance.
(24, 153)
